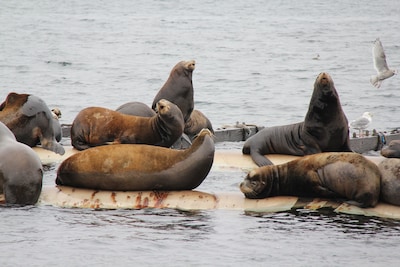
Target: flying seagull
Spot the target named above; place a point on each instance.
(380, 65)
(361, 123)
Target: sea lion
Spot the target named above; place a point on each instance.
(136, 109)
(56, 112)
(139, 167)
(327, 175)
(196, 122)
(21, 171)
(392, 150)
(390, 181)
(95, 126)
(179, 88)
(31, 121)
(324, 129)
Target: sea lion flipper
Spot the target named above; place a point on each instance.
(260, 159)
(53, 146)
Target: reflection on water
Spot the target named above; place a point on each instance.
(62, 237)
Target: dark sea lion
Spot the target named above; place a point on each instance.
(95, 126)
(196, 122)
(325, 129)
(179, 88)
(21, 171)
(136, 109)
(392, 150)
(31, 121)
(139, 167)
(390, 181)
(327, 175)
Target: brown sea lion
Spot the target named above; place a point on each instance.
(21, 171)
(31, 121)
(179, 88)
(95, 126)
(136, 109)
(325, 129)
(327, 175)
(392, 150)
(139, 167)
(196, 122)
(390, 181)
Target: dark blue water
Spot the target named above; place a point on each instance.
(254, 64)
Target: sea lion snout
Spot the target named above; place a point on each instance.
(191, 64)
(323, 78)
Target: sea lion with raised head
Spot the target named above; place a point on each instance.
(30, 120)
(326, 175)
(324, 129)
(95, 126)
(56, 112)
(21, 171)
(179, 88)
(139, 167)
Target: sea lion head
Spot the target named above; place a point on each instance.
(183, 68)
(256, 184)
(324, 84)
(169, 111)
(56, 112)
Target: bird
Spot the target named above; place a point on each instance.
(380, 64)
(361, 123)
(316, 57)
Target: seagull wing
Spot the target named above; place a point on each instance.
(379, 57)
(360, 123)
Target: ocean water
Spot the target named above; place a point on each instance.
(254, 64)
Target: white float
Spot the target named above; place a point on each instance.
(225, 160)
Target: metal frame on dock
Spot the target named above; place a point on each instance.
(242, 132)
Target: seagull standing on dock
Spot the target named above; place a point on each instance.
(380, 65)
(361, 123)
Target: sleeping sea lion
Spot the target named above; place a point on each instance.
(139, 167)
(31, 121)
(392, 150)
(328, 175)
